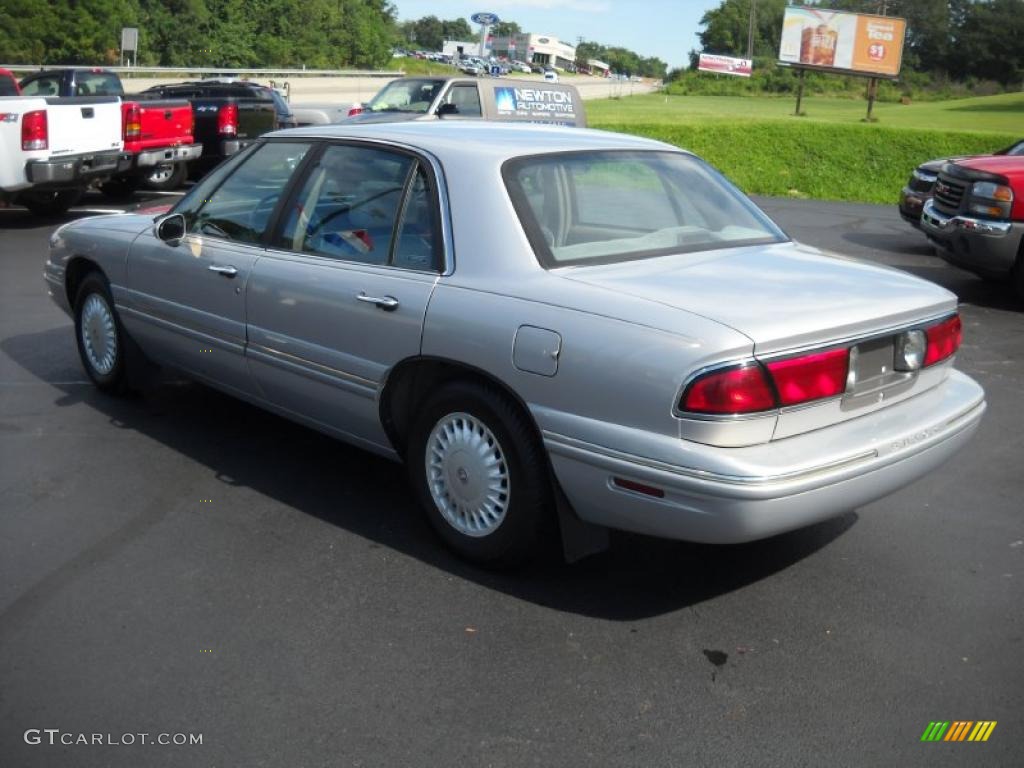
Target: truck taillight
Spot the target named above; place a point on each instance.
(132, 121)
(227, 120)
(943, 340)
(355, 109)
(35, 132)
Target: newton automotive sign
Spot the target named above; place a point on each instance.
(533, 102)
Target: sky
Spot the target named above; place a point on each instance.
(663, 28)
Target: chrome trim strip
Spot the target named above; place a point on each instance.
(557, 441)
(314, 370)
(233, 345)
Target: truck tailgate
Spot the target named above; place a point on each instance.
(165, 123)
(83, 124)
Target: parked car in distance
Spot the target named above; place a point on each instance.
(550, 76)
(227, 116)
(519, 312)
(976, 217)
(8, 83)
(918, 189)
(431, 98)
(53, 148)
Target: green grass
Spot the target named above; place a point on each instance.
(830, 154)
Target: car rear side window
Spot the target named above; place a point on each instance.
(240, 208)
(349, 205)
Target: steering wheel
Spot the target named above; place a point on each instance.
(350, 207)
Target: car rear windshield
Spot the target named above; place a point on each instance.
(413, 95)
(605, 206)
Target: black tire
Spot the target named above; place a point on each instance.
(50, 203)
(165, 177)
(1017, 276)
(119, 189)
(528, 511)
(112, 379)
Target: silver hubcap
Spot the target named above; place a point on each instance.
(467, 474)
(99, 335)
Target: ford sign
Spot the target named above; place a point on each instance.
(485, 19)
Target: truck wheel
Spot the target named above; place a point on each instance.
(480, 474)
(44, 203)
(1017, 276)
(166, 177)
(118, 189)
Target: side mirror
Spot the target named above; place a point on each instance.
(447, 109)
(171, 228)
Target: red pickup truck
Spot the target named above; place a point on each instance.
(976, 217)
(158, 142)
(158, 134)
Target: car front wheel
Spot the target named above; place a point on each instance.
(101, 340)
(481, 474)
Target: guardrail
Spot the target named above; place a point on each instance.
(223, 71)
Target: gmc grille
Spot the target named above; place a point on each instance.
(948, 194)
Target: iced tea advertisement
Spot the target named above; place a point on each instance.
(854, 42)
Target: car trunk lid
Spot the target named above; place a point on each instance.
(784, 296)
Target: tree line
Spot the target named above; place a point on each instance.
(318, 34)
(946, 39)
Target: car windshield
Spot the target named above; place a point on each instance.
(7, 86)
(608, 206)
(405, 96)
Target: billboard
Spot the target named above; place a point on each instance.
(844, 42)
(725, 65)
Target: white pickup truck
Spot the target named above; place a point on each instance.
(52, 148)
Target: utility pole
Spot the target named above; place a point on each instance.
(750, 30)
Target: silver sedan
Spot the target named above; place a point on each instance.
(559, 331)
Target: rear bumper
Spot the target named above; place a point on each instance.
(883, 452)
(73, 170)
(987, 247)
(180, 154)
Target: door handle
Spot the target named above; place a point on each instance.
(220, 269)
(387, 303)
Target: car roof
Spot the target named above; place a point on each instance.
(500, 140)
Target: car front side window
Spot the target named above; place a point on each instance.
(240, 206)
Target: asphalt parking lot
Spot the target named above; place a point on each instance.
(180, 562)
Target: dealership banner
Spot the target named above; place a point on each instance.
(725, 65)
(845, 42)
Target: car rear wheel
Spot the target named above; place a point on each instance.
(481, 475)
(50, 203)
(1017, 276)
(165, 177)
(100, 337)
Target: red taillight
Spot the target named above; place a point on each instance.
(132, 121)
(733, 390)
(227, 120)
(35, 133)
(943, 340)
(355, 109)
(810, 377)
